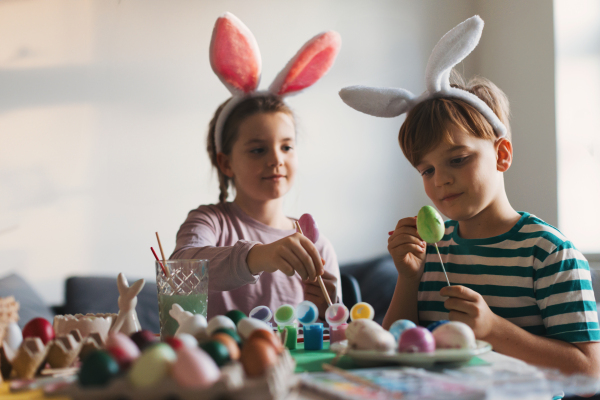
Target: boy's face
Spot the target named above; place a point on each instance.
(464, 178)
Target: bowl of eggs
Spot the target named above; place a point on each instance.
(369, 343)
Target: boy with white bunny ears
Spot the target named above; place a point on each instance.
(516, 281)
(255, 255)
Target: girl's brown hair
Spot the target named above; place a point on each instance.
(433, 120)
(253, 105)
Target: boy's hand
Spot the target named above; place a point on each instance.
(294, 253)
(407, 249)
(313, 292)
(466, 305)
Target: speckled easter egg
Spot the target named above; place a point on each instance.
(365, 334)
(248, 325)
(194, 368)
(416, 340)
(235, 315)
(97, 369)
(257, 356)
(218, 322)
(152, 366)
(398, 327)
(217, 351)
(430, 225)
(454, 335)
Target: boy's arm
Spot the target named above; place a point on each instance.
(404, 303)
(468, 306)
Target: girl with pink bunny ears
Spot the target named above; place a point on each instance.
(256, 256)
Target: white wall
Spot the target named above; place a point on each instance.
(104, 108)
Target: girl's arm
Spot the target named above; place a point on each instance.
(200, 237)
(468, 306)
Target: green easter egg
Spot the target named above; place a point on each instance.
(98, 369)
(234, 335)
(217, 351)
(430, 225)
(235, 315)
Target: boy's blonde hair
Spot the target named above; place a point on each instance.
(433, 120)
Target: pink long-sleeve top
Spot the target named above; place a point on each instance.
(224, 234)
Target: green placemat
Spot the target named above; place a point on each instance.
(312, 360)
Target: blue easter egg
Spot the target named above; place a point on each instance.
(400, 326)
(436, 324)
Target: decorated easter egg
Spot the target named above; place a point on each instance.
(174, 342)
(454, 335)
(400, 326)
(152, 366)
(285, 315)
(257, 356)
(430, 225)
(217, 351)
(232, 347)
(270, 337)
(248, 325)
(235, 315)
(365, 334)
(194, 368)
(309, 227)
(432, 326)
(143, 339)
(362, 310)
(307, 312)
(337, 314)
(187, 340)
(416, 340)
(97, 369)
(217, 322)
(39, 327)
(234, 335)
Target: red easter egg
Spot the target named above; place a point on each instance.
(174, 342)
(39, 327)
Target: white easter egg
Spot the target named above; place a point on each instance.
(246, 326)
(454, 335)
(218, 322)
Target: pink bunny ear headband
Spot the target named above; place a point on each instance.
(452, 48)
(235, 58)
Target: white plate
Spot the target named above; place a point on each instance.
(419, 359)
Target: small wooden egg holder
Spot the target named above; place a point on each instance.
(279, 383)
(30, 358)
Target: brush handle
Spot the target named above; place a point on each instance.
(321, 283)
(443, 268)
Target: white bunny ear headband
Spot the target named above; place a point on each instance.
(235, 58)
(452, 48)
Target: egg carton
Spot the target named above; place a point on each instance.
(9, 313)
(279, 383)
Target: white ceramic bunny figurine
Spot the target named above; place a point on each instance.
(188, 322)
(127, 320)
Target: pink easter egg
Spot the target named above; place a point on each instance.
(309, 227)
(416, 340)
(194, 368)
(122, 348)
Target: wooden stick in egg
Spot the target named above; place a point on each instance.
(431, 228)
(319, 279)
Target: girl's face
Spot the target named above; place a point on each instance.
(263, 159)
(464, 178)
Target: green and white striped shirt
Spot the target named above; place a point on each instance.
(531, 275)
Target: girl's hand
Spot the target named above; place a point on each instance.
(407, 249)
(313, 292)
(466, 305)
(294, 253)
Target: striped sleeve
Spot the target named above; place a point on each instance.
(564, 294)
